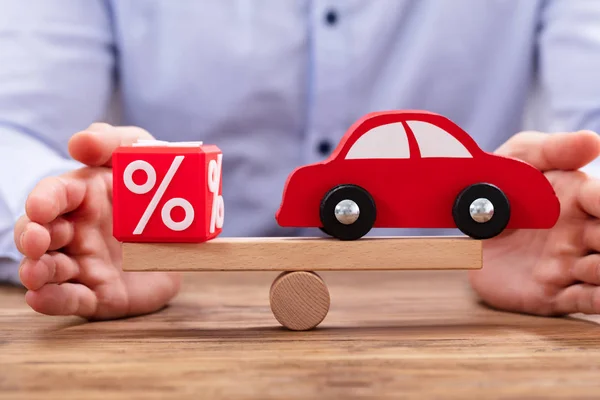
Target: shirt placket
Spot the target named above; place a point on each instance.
(329, 92)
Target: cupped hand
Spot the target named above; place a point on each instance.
(557, 271)
(72, 263)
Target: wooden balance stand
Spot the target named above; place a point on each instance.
(299, 297)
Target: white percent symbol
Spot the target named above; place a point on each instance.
(214, 181)
(148, 185)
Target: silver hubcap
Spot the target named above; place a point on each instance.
(347, 212)
(481, 210)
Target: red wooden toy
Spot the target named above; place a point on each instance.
(167, 192)
(404, 169)
(415, 169)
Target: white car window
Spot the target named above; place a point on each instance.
(384, 141)
(433, 141)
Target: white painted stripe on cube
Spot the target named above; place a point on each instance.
(162, 143)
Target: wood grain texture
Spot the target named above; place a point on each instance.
(299, 300)
(388, 335)
(305, 254)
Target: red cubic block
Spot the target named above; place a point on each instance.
(167, 192)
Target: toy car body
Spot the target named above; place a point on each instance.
(415, 169)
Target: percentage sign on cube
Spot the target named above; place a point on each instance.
(214, 181)
(158, 195)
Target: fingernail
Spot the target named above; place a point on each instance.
(21, 237)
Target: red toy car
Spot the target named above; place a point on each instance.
(415, 169)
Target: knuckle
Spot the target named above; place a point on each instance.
(50, 193)
(47, 187)
(58, 190)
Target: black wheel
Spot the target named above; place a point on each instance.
(481, 211)
(356, 212)
(324, 231)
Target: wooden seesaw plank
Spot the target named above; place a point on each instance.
(305, 254)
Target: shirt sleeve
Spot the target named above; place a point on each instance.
(56, 74)
(569, 67)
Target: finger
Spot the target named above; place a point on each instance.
(589, 196)
(94, 146)
(54, 196)
(583, 298)
(88, 240)
(61, 232)
(560, 151)
(591, 235)
(53, 267)
(552, 272)
(35, 240)
(19, 230)
(587, 269)
(63, 299)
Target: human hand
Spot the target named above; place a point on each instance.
(556, 271)
(72, 263)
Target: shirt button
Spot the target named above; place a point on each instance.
(331, 17)
(324, 147)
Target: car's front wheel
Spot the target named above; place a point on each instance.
(324, 231)
(481, 211)
(347, 212)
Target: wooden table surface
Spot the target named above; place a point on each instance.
(402, 334)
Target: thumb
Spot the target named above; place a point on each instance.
(556, 151)
(94, 146)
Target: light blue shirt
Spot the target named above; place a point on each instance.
(275, 84)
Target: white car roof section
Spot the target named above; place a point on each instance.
(433, 141)
(384, 141)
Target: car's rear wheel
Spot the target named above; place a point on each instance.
(347, 212)
(481, 211)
